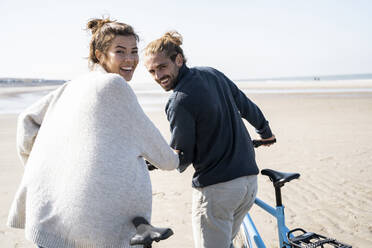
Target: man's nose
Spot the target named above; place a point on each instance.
(158, 75)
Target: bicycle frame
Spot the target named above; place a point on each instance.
(251, 232)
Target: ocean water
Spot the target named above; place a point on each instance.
(153, 98)
(14, 104)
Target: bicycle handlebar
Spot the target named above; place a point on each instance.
(150, 167)
(257, 143)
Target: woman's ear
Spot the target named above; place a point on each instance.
(99, 55)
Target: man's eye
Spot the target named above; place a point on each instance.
(119, 51)
(135, 52)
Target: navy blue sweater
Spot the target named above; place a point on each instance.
(205, 113)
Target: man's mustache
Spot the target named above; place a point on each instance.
(165, 77)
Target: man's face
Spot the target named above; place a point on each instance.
(163, 69)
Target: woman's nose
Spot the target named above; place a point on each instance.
(129, 57)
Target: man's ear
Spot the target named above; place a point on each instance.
(179, 60)
(99, 55)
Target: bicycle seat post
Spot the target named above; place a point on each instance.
(279, 179)
(278, 196)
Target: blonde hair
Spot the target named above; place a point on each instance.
(103, 32)
(169, 44)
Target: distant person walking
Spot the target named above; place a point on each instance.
(83, 147)
(205, 113)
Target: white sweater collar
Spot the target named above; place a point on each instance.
(98, 68)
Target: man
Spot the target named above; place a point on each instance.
(205, 113)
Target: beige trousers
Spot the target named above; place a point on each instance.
(218, 211)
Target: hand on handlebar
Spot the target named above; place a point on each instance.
(264, 142)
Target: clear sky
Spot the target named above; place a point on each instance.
(244, 39)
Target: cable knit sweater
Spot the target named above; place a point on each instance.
(83, 147)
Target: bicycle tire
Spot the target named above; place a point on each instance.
(241, 240)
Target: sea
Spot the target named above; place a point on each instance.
(153, 98)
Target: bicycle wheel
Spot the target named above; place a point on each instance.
(241, 240)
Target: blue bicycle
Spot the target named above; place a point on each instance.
(248, 236)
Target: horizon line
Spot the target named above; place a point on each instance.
(324, 76)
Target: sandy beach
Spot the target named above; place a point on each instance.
(326, 137)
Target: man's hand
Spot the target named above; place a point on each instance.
(264, 142)
(272, 138)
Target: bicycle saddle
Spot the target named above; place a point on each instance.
(279, 178)
(146, 233)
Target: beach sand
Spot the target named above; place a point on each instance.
(324, 137)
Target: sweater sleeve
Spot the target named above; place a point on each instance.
(151, 143)
(250, 111)
(28, 125)
(155, 148)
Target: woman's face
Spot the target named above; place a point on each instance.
(121, 57)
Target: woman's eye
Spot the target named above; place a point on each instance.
(119, 51)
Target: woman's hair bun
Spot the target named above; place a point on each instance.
(95, 24)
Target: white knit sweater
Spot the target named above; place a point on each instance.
(83, 146)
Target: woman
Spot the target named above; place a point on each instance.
(83, 147)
